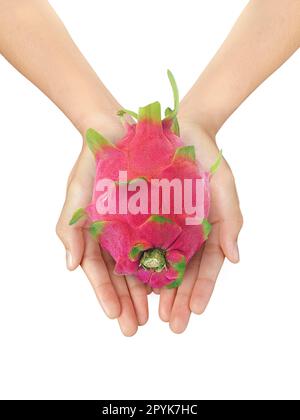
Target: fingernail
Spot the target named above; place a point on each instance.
(69, 259)
(235, 253)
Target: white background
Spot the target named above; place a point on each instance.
(55, 341)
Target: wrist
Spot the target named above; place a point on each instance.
(106, 122)
(198, 120)
(199, 114)
(207, 104)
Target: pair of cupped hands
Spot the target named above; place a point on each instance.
(126, 299)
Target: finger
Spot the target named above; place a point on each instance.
(71, 237)
(149, 289)
(166, 301)
(138, 293)
(229, 232)
(210, 266)
(156, 291)
(167, 297)
(78, 196)
(94, 267)
(181, 312)
(74, 245)
(226, 210)
(127, 319)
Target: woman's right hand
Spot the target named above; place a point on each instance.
(120, 297)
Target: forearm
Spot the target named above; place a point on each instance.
(35, 42)
(266, 34)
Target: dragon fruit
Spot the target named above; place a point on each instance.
(155, 247)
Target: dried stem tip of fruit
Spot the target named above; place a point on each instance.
(153, 259)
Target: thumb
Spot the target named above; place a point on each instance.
(71, 236)
(229, 232)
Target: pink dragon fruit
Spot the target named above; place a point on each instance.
(155, 247)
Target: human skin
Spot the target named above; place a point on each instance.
(265, 35)
(35, 41)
